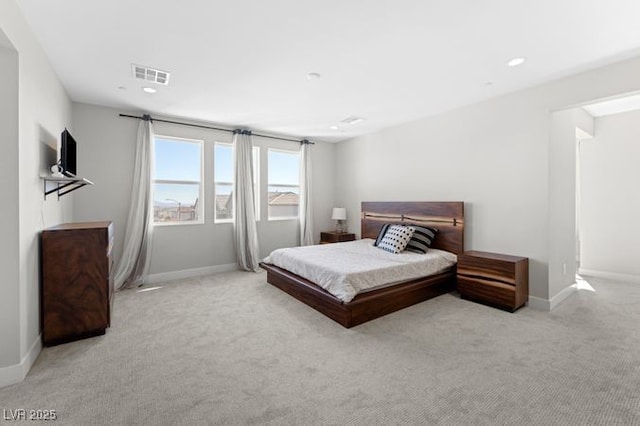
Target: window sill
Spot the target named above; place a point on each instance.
(278, 219)
(183, 223)
(222, 222)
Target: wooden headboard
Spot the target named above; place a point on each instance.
(447, 217)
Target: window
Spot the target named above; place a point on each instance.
(176, 181)
(223, 172)
(283, 186)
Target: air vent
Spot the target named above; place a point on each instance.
(150, 74)
(352, 120)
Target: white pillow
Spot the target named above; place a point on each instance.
(396, 238)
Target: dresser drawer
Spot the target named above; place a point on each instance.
(495, 268)
(336, 237)
(490, 292)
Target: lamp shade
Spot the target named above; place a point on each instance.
(339, 213)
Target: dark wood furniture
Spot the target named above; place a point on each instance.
(497, 280)
(77, 286)
(448, 217)
(336, 237)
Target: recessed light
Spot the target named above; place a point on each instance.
(515, 62)
(122, 88)
(334, 127)
(149, 89)
(313, 76)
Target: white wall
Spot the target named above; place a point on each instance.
(106, 149)
(494, 156)
(486, 156)
(42, 111)
(9, 253)
(610, 198)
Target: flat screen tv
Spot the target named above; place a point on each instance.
(68, 154)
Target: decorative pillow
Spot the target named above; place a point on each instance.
(396, 238)
(381, 233)
(421, 239)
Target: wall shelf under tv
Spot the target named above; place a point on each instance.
(63, 185)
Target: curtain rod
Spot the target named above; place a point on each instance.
(148, 117)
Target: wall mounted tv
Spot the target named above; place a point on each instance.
(68, 154)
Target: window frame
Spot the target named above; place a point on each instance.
(201, 201)
(269, 184)
(256, 182)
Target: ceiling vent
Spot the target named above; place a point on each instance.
(352, 120)
(150, 74)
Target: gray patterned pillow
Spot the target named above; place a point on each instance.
(422, 238)
(396, 238)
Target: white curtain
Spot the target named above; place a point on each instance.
(245, 231)
(134, 262)
(306, 212)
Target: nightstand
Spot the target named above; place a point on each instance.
(497, 280)
(336, 237)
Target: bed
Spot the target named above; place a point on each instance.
(447, 217)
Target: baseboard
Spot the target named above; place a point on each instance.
(539, 303)
(189, 273)
(16, 373)
(610, 275)
(562, 296)
(550, 304)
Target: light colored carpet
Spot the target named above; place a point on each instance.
(231, 349)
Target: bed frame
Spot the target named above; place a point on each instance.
(448, 217)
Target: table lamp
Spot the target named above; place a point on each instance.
(339, 214)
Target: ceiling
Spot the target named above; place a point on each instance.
(244, 63)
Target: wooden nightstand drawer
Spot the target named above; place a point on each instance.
(336, 237)
(490, 292)
(497, 267)
(495, 279)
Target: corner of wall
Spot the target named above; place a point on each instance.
(16, 373)
(549, 305)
